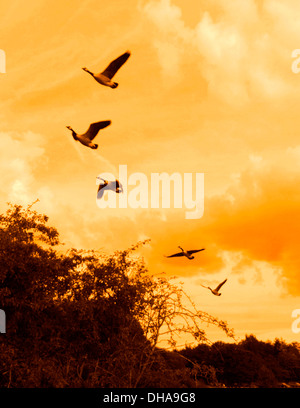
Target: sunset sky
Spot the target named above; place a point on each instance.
(208, 88)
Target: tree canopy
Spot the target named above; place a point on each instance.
(250, 362)
(80, 318)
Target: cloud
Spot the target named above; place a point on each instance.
(223, 49)
(241, 59)
(20, 156)
(262, 222)
(254, 224)
(170, 37)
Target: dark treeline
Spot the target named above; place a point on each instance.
(249, 363)
(85, 319)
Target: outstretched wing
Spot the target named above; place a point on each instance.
(100, 192)
(115, 65)
(95, 127)
(220, 285)
(101, 188)
(172, 256)
(119, 186)
(195, 250)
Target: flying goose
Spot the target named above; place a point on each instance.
(109, 185)
(105, 77)
(216, 290)
(87, 137)
(188, 254)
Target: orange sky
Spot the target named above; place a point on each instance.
(208, 88)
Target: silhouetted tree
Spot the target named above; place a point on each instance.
(85, 319)
(250, 362)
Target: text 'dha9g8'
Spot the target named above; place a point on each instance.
(163, 397)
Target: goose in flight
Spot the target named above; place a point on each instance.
(188, 254)
(109, 185)
(105, 77)
(87, 137)
(216, 290)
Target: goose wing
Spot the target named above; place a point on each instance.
(100, 192)
(119, 186)
(115, 65)
(172, 256)
(220, 285)
(95, 127)
(194, 251)
(101, 187)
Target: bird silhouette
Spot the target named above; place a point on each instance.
(87, 137)
(188, 254)
(105, 77)
(216, 290)
(109, 185)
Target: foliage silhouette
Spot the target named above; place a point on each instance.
(250, 362)
(84, 319)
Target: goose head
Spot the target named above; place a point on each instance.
(86, 70)
(72, 130)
